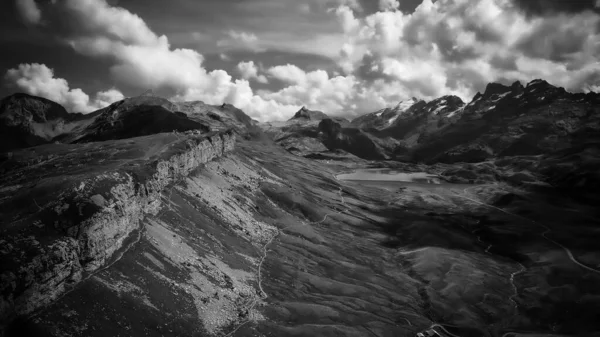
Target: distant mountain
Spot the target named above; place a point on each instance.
(351, 140)
(218, 117)
(513, 120)
(423, 118)
(382, 118)
(27, 120)
(305, 114)
(502, 121)
(135, 117)
(315, 134)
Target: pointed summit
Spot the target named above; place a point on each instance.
(539, 82)
(495, 89)
(305, 114)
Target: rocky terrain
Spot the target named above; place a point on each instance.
(67, 209)
(314, 134)
(503, 121)
(199, 224)
(383, 118)
(27, 121)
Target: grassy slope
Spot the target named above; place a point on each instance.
(253, 244)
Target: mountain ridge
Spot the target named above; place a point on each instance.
(27, 120)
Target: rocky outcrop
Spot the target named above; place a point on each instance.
(85, 228)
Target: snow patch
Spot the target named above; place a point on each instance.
(392, 120)
(451, 114)
(404, 105)
(501, 96)
(473, 102)
(437, 111)
(534, 82)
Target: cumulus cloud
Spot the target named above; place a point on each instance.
(243, 37)
(288, 73)
(386, 5)
(248, 70)
(444, 47)
(37, 79)
(456, 47)
(29, 11)
(145, 60)
(240, 40)
(549, 7)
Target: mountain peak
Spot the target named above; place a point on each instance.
(538, 82)
(25, 108)
(405, 105)
(516, 85)
(495, 89)
(307, 114)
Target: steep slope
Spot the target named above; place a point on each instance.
(66, 210)
(422, 119)
(27, 121)
(354, 141)
(134, 118)
(308, 115)
(514, 120)
(502, 121)
(383, 118)
(314, 134)
(218, 117)
(261, 242)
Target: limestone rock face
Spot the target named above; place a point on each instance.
(92, 216)
(44, 279)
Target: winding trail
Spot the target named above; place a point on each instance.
(265, 253)
(436, 325)
(544, 234)
(522, 267)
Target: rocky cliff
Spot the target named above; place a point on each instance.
(69, 210)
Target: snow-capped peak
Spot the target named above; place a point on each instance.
(404, 105)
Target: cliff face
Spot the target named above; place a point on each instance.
(95, 215)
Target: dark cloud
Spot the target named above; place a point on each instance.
(458, 77)
(545, 7)
(447, 41)
(504, 62)
(370, 70)
(558, 45)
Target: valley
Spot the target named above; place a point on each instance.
(227, 231)
(301, 168)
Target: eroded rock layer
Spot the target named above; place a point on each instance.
(68, 210)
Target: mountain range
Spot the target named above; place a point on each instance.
(158, 218)
(537, 119)
(502, 121)
(27, 120)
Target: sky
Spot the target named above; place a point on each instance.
(272, 57)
